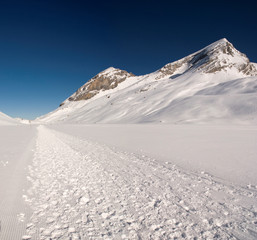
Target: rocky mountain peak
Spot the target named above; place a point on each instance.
(221, 55)
(105, 80)
(218, 56)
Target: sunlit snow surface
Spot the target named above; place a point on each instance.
(128, 182)
(16, 145)
(6, 120)
(186, 99)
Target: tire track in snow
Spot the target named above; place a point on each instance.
(84, 190)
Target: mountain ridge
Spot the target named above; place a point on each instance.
(7, 120)
(116, 96)
(205, 60)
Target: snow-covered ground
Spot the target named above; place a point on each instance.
(6, 120)
(128, 182)
(225, 151)
(16, 144)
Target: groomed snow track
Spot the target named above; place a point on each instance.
(85, 190)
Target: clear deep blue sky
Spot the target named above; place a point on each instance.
(48, 49)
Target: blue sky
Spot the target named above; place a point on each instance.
(48, 49)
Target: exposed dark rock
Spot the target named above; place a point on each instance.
(105, 80)
(170, 68)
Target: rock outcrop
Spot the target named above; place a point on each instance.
(105, 80)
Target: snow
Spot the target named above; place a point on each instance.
(128, 181)
(23, 121)
(16, 143)
(109, 71)
(129, 195)
(225, 151)
(6, 120)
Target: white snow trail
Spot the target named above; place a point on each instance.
(85, 190)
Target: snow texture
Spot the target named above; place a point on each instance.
(128, 182)
(85, 190)
(228, 152)
(16, 145)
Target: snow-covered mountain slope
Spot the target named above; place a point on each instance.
(6, 120)
(217, 84)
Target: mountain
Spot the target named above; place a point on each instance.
(106, 80)
(216, 84)
(6, 120)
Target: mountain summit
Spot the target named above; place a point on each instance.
(220, 55)
(216, 83)
(105, 80)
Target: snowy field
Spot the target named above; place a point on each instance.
(16, 145)
(225, 151)
(128, 182)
